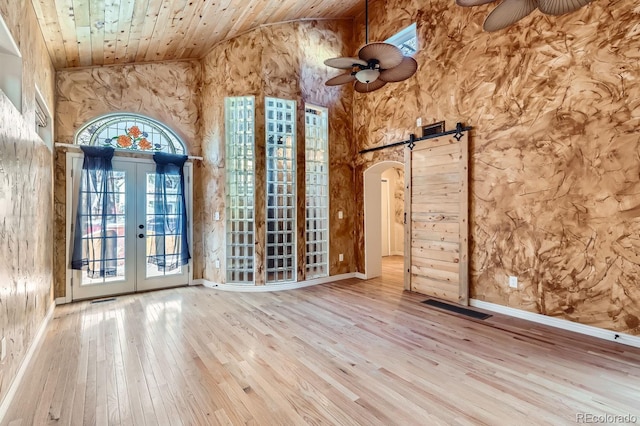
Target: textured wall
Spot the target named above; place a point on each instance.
(231, 69)
(283, 61)
(398, 192)
(318, 41)
(25, 198)
(554, 149)
(395, 177)
(166, 91)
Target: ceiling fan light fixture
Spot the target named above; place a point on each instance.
(406, 69)
(368, 87)
(341, 79)
(344, 63)
(377, 63)
(367, 75)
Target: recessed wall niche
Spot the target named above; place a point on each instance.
(43, 123)
(11, 69)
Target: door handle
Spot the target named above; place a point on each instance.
(140, 235)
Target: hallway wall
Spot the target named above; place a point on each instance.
(395, 176)
(26, 204)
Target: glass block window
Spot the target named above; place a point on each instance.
(130, 132)
(406, 40)
(281, 190)
(240, 140)
(317, 191)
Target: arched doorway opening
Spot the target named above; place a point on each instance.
(383, 215)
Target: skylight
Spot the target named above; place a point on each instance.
(406, 40)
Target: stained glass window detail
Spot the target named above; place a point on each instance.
(130, 132)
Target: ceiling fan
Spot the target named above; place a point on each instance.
(511, 11)
(376, 65)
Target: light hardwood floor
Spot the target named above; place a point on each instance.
(351, 352)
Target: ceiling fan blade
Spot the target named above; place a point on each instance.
(368, 87)
(406, 69)
(341, 79)
(386, 54)
(344, 63)
(470, 3)
(507, 13)
(560, 7)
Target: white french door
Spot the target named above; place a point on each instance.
(132, 231)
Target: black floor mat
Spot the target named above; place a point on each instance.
(457, 309)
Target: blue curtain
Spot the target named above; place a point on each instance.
(168, 227)
(94, 246)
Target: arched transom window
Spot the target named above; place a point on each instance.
(131, 132)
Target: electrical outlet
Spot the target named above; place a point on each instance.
(216, 216)
(513, 282)
(341, 257)
(217, 264)
(419, 122)
(340, 215)
(3, 348)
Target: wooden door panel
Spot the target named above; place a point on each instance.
(452, 256)
(435, 207)
(434, 288)
(437, 214)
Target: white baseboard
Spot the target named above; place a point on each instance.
(62, 301)
(361, 276)
(397, 253)
(249, 288)
(8, 398)
(601, 333)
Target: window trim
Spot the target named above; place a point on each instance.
(175, 144)
(44, 128)
(401, 37)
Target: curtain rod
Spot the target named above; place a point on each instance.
(73, 146)
(412, 138)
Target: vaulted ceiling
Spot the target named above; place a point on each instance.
(99, 32)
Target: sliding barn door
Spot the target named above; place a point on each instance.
(437, 209)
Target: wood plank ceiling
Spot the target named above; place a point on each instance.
(100, 32)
